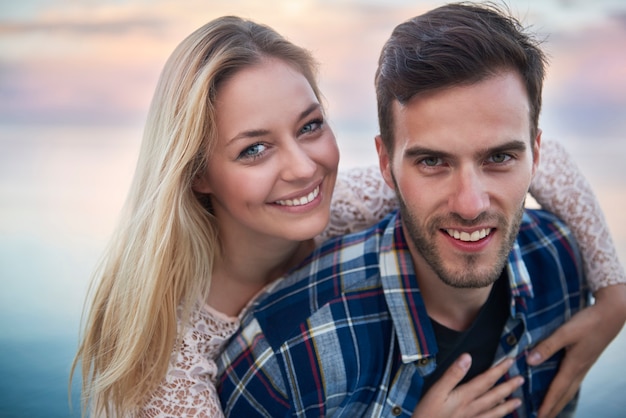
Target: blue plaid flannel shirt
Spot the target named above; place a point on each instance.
(347, 334)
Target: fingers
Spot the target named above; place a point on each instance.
(455, 373)
(600, 322)
(562, 337)
(484, 381)
(478, 397)
(563, 388)
(502, 409)
(554, 403)
(483, 399)
(493, 401)
(438, 400)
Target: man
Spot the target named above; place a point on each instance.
(373, 320)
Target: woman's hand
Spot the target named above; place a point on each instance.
(584, 338)
(476, 398)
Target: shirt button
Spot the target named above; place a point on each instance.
(511, 340)
(396, 411)
(424, 361)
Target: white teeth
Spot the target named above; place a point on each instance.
(467, 237)
(300, 201)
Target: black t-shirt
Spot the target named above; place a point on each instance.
(480, 340)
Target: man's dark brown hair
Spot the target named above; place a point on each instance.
(454, 45)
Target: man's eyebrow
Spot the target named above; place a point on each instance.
(510, 146)
(417, 151)
(514, 145)
(257, 133)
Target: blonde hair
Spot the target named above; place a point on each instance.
(161, 255)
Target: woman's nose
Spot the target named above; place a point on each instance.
(297, 163)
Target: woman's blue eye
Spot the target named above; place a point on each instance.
(312, 126)
(253, 151)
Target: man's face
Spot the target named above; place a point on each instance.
(461, 167)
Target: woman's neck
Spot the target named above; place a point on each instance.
(244, 269)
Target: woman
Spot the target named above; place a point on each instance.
(233, 183)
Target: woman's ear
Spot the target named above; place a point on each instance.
(201, 183)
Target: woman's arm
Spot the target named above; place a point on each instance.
(361, 198)
(560, 187)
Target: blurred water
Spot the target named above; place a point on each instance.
(60, 192)
(34, 380)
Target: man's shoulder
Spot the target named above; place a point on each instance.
(345, 264)
(540, 226)
(546, 243)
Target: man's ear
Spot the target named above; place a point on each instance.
(536, 151)
(384, 161)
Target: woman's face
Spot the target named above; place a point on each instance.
(274, 165)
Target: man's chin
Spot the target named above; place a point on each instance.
(469, 276)
(469, 282)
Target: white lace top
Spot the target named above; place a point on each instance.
(360, 199)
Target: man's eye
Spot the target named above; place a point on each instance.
(431, 161)
(253, 151)
(500, 158)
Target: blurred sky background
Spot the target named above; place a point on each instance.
(76, 79)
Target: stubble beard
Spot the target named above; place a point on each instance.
(473, 274)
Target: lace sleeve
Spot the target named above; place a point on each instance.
(560, 187)
(361, 198)
(188, 389)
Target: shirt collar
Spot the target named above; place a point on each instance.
(519, 279)
(415, 335)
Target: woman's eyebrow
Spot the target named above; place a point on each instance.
(257, 133)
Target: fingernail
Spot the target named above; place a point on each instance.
(533, 357)
(465, 361)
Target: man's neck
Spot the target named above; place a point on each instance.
(455, 308)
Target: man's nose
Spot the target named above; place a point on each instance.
(469, 196)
